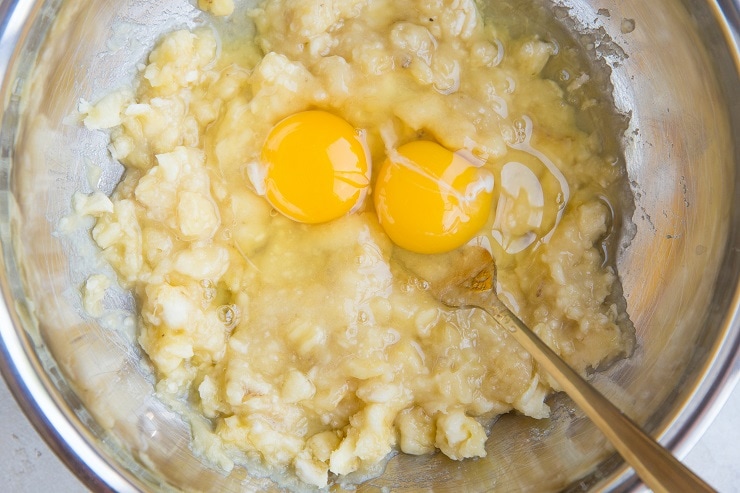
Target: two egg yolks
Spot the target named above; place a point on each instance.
(428, 199)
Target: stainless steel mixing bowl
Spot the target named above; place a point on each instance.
(674, 70)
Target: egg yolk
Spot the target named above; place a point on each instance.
(316, 167)
(431, 200)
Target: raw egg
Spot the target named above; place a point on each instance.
(431, 200)
(315, 167)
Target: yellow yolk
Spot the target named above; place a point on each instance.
(431, 200)
(316, 168)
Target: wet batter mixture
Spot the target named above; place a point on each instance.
(278, 309)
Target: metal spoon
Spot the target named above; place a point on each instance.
(472, 285)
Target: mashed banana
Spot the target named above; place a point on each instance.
(307, 346)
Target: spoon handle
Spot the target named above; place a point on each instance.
(657, 467)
